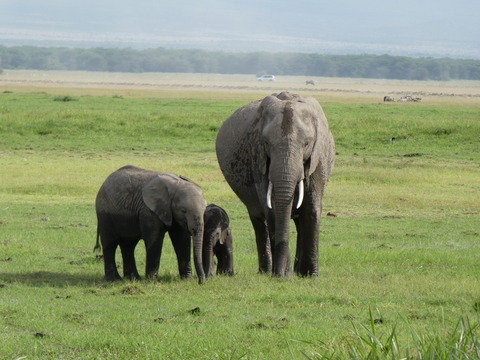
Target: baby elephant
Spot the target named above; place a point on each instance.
(217, 239)
(134, 204)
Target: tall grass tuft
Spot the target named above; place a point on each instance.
(370, 342)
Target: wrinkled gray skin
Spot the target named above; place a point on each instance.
(283, 139)
(134, 204)
(218, 241)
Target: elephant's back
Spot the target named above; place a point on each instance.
(128, 177)
(118, 188)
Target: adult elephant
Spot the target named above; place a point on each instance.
(277, 155)
(134, 204)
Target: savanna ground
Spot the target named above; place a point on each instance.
(399, 250)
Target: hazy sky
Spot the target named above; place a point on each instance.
(436, 27)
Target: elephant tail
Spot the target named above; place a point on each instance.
(97, 247)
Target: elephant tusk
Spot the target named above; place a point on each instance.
(300, 194)
(269, 195)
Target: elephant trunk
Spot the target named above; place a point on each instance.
(284, 180)
(229, 266)
(230, 270)
(207, 253)
(282, 207)
(197, 235)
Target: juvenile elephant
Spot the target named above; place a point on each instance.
(277, 155)
(134, 204)
(217, 240)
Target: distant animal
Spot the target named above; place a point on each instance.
(134, 204)
(310, 82)
(277, 155)
(388, 98)
(409, 98)
(217, 240)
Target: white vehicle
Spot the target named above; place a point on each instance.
(266, 78)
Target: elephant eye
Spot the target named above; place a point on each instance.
(308, 148)
(309, 144)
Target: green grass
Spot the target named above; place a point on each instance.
(399, 255)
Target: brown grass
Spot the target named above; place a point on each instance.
(236, 87)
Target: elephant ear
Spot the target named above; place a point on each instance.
(217, 237)
(314, 160)
(157, 198)
(261, 153)
(319, 121)
(224, 236)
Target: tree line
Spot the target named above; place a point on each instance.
(201, 61)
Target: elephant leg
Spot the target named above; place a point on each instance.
(299, 248)
(182, 245)
(129, 264)
(308, 229)
(280, 251)
(154, 252)
(152, 234)
(109, 249)
(224, 260)
(222, 267)
(263, 245)
(109, 241)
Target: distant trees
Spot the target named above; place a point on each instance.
(200, 61)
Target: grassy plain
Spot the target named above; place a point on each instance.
(400, 251)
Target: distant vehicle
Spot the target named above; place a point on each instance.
(266, 78)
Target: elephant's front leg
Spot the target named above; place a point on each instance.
(182, 245)
(299, 247)
(153, 245)
(129, 264)
(308, 230)
(263, 245)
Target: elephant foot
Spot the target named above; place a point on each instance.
(225, 273)
(263, 272)
(265, 268)
(311, 269)
(307, 274)
(185, 272)
(132, 276)
(153, 276)
(286, 273)
(112, 278)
